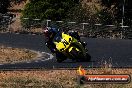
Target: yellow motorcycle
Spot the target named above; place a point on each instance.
(70, 47)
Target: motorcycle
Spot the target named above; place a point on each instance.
(70, 47)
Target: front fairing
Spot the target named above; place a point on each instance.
(62, 41)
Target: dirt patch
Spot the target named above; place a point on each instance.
(55, 79)
(14, 55)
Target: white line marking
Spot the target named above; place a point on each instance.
(28, 62)
(42, 52)
(51, 57)
(36, 61)
(33, 34)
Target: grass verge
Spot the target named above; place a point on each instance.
(56, 78)
(14, 55)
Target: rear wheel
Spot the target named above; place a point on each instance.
(88, 57)
(77, 56)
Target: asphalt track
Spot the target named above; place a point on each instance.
(115, 51)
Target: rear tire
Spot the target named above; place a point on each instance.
(88, 57)
(76, 56)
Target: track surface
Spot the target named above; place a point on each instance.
(116, 51)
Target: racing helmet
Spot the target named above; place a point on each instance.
(50, 32)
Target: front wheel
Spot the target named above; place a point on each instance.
(60, 57)
(59, 60)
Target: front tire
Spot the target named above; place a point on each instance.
(60, 57)
(59, 60)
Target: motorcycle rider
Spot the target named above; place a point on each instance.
(49, 33)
